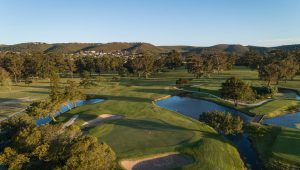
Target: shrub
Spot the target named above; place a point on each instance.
(223, 122)
(265, 91)
(181, 81)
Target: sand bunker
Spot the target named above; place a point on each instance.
(158, 162)
(101, 119)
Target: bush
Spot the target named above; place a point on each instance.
(115, 79)
(181, 81)
(28, 81)
(223, 122)
(265, 91)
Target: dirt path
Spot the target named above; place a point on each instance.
(101, 119)
(158, 162)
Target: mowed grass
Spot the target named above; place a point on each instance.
(148, 129)
(274, 108)
(277, 143)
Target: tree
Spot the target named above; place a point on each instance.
(55, 93)
(278, 65)
(142, 64)
(86, 153)
(147, 64)
(134, 65)
(70, 65)
(173, 60)
(13, 63)
(72, 92)
(220, 61)
(86, 80)
(31, 65)
(38, 109)
(27, 146)
(12, 159)
(237, 90)
(254, 59)
(269, 73)
(223, 122)
(200, 66)
(5, 79)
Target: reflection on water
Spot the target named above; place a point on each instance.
(66, 107)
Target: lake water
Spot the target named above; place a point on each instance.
(287, 120)
(194, 107)
(66, 107)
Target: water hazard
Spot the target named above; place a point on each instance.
(194, 107)
(66, 107)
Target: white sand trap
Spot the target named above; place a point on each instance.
(101, 119)
(158, 162)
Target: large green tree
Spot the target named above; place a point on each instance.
(13, 63)
(237, 90)
(173, 60)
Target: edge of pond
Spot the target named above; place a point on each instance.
(221, 136)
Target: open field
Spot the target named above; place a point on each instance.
(147, 129)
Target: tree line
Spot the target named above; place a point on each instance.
(203, 65)
(22, 66)
(274, 66)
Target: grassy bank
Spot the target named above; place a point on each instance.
(278, 147)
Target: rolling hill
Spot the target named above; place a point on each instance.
(136, 47)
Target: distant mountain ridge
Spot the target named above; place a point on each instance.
(135, 47)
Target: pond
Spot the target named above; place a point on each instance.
(287, 120)
(194, 107)
(66, 107)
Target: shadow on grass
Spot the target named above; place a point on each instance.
(125, 98)
(148, 82)
(37, 92)
(10, 100)
(165, 162)
(157, 91)
(158, 125)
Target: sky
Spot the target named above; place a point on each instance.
(161, 22)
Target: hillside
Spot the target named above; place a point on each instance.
(180, 48)
(26, 47)
(109, 47)
(136, 47)
(67, 47)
